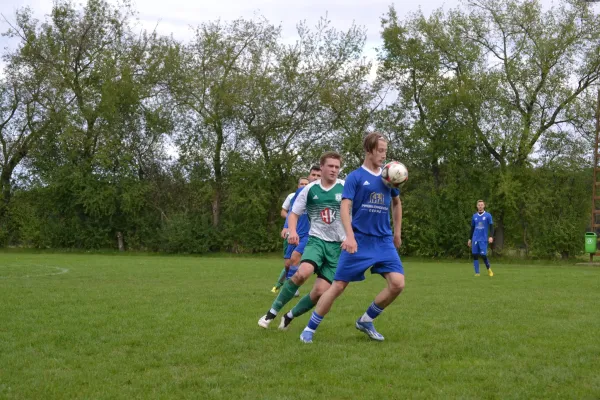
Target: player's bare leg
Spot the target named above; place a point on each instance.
(395, 285)
(287, 293)
(306, 303)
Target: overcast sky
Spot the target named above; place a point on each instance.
(176, 16)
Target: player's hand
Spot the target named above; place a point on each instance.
(491, 240)
(469, 243)
(284, 233)
(293, 238)
(397, 241)
(350, 245)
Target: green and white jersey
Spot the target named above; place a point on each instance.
(323, 209)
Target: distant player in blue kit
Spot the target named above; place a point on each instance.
(369, 243)
(481, 235)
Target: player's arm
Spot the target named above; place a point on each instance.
(285, 207)
(349, 244)
(298, 208)
(397, 217)
(286, 226)
(292, 224)
(472, 230)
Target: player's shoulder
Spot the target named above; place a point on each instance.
(354, 174)
(340, 182)
(311, 185)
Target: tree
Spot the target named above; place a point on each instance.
(519, 76)
(98, 90)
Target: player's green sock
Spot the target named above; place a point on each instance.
(285, 295)
(279, 282)
(305, 304)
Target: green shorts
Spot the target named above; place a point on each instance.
(284, 246)
(323, 256)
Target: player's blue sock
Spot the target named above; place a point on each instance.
(486, 261)
(314, 321)
(372, 312)
(476, 265)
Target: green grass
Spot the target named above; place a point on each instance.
(125, 327)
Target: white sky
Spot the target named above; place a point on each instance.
(176, 16)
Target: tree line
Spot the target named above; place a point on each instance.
(116, 137)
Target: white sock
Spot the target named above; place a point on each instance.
(272, 311)
(290, 315)
(366, 318)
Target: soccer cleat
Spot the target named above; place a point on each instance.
(490, 273)
(285, 322)
(275, 289)
(476, 274)
(297, 294)
(263, 322)
(369, 329)
(306, 336)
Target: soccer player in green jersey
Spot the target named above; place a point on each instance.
(321, 200)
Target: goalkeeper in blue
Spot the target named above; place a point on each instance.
(481, 235)
(369, 243)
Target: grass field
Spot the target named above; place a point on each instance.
(141, 327)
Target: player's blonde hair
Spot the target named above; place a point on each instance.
(371, 140)
(330, 154)
(301, 179)
(481, 201)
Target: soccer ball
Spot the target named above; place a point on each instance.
(394, 174)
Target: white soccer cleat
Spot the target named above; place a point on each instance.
(285, 322)
(263, 322)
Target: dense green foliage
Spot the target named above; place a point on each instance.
(112, 139)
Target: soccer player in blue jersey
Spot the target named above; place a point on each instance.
(481, 235)
(293, 253)
(369, 243)
(285, 208)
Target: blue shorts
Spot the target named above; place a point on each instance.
(299, 247)
(479, 248)
(377, 253)
(291, 272)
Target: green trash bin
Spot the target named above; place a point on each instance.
(591, 242)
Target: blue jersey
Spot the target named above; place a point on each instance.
(303, 225)
(481, 223)
(371, 200)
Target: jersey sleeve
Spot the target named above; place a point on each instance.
(395, 192)
(491, 220)
(350, 186)
(286, 203)
(299, 204)
(473, 220)
(293, 197)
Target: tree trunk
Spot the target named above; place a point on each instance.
(499, 234)
(216, 207)
(435, 171)
(218, 168)
(120, 241)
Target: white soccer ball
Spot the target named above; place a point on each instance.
(394, 174)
